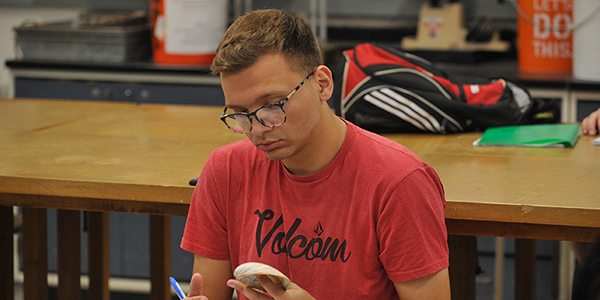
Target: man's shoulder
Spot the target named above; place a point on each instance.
(241, 156)
(242, 145)
(236, 151)
(376, 145)
(237, 154)
(390, 160)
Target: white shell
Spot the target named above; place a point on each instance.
(246, 274)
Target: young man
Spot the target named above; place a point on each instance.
(344, 213)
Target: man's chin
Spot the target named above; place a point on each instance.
(277, 154)
(272, 155)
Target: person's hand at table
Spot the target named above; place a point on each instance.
(590, 125)
(294, 292)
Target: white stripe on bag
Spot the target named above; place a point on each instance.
(413, 106)
(429, 104)
(393, 111)
(407, 111)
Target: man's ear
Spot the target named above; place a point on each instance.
(325, 79)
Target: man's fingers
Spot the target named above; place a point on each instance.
(249, 292)
(195, 285)
(271, 287)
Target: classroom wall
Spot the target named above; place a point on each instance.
(14, 16)
(14, 12)
(396, 8)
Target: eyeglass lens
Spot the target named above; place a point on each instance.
(270, 116)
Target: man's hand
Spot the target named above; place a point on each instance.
(293, 292)
(195, 292)
(590, 125)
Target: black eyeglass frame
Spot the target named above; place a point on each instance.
(279, 104)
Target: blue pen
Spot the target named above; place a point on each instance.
(177, 288)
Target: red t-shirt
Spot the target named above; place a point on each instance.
(374, 215)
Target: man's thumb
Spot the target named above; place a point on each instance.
(195, 285)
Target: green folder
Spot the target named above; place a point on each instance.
(546, 135)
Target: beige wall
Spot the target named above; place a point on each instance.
(12, 17)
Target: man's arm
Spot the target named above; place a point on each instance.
(215, 274)
(432, 287)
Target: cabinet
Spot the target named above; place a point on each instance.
(583, 102)
(138, 83)
(577, 100)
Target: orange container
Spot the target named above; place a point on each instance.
(544, 36)
(185, 32)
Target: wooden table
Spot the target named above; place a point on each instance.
(104, 157)
(97, 157)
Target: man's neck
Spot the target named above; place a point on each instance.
(322, 150)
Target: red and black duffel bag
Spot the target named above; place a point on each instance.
(384, 90)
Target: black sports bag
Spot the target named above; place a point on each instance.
(384, 90)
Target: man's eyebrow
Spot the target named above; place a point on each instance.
(264, 99)
(235, 107)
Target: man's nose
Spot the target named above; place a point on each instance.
(258, 128)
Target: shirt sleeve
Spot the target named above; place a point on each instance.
(412, 228)
(205, 231)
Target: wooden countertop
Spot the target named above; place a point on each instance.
(128, 157)
(108, 151)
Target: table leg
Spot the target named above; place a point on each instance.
(499, 269)
(35, 254)
(69, 254)
(160, 256)
(525, 258)
(566, 270)
(463, 266)
(98, 254)
(7, 282)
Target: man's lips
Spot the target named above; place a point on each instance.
(268, 145)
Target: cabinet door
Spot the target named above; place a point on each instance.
(123, 92)
(129, 246)
(585, 102)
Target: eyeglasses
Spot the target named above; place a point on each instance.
(270, 115)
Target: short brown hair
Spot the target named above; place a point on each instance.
(262, 32)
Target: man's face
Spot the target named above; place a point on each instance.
(269, 81)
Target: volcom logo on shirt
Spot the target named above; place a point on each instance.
(297, 246)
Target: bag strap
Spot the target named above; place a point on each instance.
(441, 82)
(398, 58)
